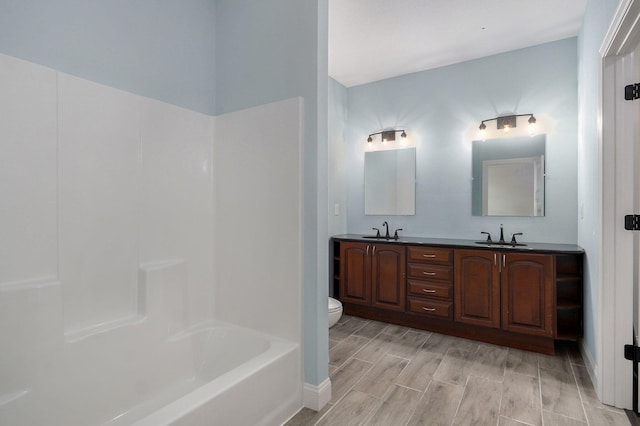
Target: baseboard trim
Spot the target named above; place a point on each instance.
(587, 357)
(315, 397)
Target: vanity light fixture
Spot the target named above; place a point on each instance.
(507, 122)
(387, 136)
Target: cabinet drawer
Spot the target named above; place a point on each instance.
(430, 254)
(430, 289)
(425, 271)
(430, 307)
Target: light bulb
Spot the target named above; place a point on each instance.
(403, 138)
(506, 128)
(483, 130)
(532, 125)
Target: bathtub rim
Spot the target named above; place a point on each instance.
(185, 404)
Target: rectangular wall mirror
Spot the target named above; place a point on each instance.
(390, 182)
(508, 176)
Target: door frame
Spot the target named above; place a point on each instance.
(612, 379)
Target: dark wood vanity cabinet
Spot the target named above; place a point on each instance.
(510, 291)
(430, 281)
(568, 296)
(355, 273)
(373, 275)
(527, 294)
(517, 298)
(477, 291)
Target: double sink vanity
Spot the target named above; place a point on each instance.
(519, 295)
(512, 293)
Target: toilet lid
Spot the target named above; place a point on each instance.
(334, 304)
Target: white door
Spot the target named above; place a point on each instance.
(634, 129)
(628, 201)
(620, 248)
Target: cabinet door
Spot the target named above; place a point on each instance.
(355, 273)
(527, 294)
(477, 288)
(388, 276)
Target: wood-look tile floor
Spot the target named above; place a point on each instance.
(384, 374)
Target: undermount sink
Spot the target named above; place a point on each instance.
(374, 237)
(497, 243)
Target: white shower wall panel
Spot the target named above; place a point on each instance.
(94, 182)
(258, 218)
(28, 171)
(99, 157)
(177, 201)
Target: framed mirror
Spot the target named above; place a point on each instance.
(390, 182)
(508, 176)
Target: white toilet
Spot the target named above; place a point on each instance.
(335, 311)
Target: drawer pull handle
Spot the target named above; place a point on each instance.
(428, 309)
(428, 291)
(428, 255)
(429, 273)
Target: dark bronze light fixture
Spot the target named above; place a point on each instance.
(507, 122)
(387, 136)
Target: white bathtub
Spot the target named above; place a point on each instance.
(240, 377)
(214, 374)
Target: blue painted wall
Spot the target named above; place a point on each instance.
(441, 110)
(161, 49)
(598, 16)
(338, 165)
(265, 51)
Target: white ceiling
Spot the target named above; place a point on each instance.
(372, 40)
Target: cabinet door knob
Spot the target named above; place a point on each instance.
(428, 291)
(429, 273)
(428, 309)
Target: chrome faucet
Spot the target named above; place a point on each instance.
(386, 225)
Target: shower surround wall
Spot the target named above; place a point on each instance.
(107, 240)
(258, 223)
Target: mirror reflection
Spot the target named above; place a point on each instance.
(508, 176)
(389, 182)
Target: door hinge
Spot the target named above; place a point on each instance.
(632, 353)
(632, 222)
(632, 92)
